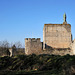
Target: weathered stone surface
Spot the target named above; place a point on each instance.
(73, 46)
(57, 35)
(33, 46)
(11, 52)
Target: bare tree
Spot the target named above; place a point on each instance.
(5, 44)
(18, 45)
(4, 47)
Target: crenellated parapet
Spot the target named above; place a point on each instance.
(32, 45)
(32, 39)
(27, 39)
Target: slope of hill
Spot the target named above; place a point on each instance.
(38, 64)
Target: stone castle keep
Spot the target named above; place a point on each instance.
(57, 39)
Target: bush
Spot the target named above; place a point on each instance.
(34, 62)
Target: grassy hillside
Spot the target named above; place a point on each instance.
(38, 65)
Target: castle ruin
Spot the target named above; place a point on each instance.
(57, 39)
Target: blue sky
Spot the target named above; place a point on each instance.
(20, 19)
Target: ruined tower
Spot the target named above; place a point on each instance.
(33, 45)
(57, 35)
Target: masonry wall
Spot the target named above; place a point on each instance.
(57, 52)
(57, 40)
(73, 46)
(33, 46)
(57, 35)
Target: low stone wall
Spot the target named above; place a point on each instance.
(54, 52)
(57, 52)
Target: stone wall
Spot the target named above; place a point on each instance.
(57, 40)
(73, 46)
(57, 52)
(53, 51)
(33, 46)
(57, 36)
